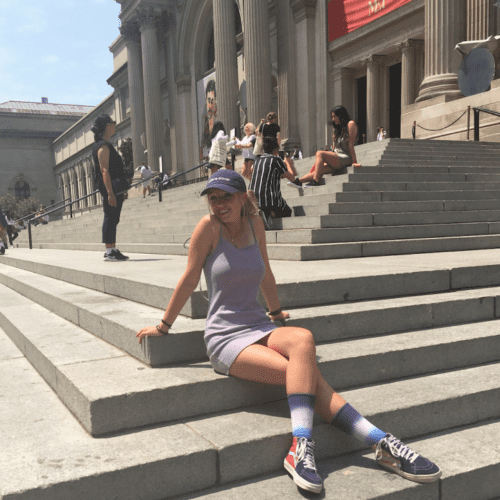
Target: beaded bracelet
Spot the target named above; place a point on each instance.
(158, 328)
(166, 324)
(275, 313)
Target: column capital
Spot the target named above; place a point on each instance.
(183, 83)
(374, 59)
(130, 32)
(410, 43)
(303, 9)
(342, 73)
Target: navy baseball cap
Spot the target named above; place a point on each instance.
(226, 180)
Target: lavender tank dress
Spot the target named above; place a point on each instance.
(235, 318)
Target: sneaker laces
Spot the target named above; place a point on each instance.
(397, 448)
(305, 452)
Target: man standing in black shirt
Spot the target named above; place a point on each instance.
(267, 173)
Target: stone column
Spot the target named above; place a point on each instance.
(479, 19)
(172, 102)
(384, 98)
(323, 69)
(304, 14)
(257, 52)
(152, 93)
(136, 90)
(185, 157)
(287, 77)
(344, 85)
(373, 104)
(409, 71)
(65, 188)
(444, 28)
(226, 64)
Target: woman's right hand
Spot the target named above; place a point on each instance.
(112, 199)
(149, 331)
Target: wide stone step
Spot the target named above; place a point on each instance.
(418, 186)
(47, 455)
(166, 461)
(110, 392)
(356, 220)
(356, 475)
(76, 364)
(304, 252)
(116, 320)
(373, 233)
(365, 196)
(401, 207)
(150, 280)
(359, 176)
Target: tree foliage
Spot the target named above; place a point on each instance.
(19, 207)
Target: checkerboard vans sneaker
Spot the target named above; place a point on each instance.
(301, 465)
(393, 455)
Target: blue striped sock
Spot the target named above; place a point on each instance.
(352, 423)
(302, 412)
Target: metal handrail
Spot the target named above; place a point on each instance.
(70, 204)
(476, 119)
(34, 213)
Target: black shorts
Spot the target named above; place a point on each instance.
(279, 212)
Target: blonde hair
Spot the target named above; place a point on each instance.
(252, 127)
(271, 116)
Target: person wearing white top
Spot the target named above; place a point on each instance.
(147, 182)
(381, 134)
(247, 145)
(217, 157)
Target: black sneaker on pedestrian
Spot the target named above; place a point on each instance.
(296, 183)
(115, 255)
(311, 184)
(393, 455)
(2, 250)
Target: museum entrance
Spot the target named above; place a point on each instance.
(394, 125)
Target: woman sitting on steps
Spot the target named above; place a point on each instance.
(345, 132)
(242, 341)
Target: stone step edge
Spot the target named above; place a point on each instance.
(303, 252)
(338, 290)
(122, 408)
(440, 447)
(379, 317)
(350, 476)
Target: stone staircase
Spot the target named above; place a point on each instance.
(409, 197)
(410, 340)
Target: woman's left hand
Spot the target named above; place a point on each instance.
(356, 165)
(280, 317)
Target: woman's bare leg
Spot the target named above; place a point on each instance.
(246, 171)
(307, 178)
(288, 357)
(325, 161)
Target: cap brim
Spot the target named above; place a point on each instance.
(222, 187)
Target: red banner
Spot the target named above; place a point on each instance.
(345, 16)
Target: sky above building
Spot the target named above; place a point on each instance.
(57, 49)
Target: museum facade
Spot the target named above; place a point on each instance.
(181, 65)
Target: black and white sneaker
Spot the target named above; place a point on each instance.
(115, 255)
(311, 184)
(296, 183)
